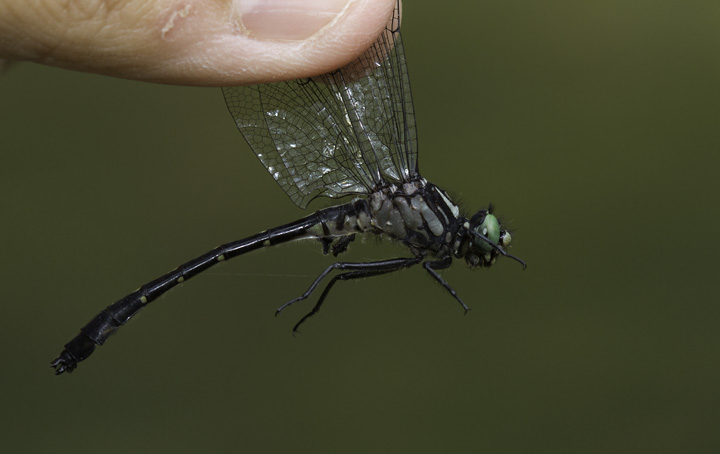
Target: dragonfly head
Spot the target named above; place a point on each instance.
(487, 240)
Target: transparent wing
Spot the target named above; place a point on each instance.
(346, 132)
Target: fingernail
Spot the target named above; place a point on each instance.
(287, 19)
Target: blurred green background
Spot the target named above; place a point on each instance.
(592, 126)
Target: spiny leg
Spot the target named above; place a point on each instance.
(340, 277)
(369, 271)
(431, 268)
(382, 265)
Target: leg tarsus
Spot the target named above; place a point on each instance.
(357, 270)
(320, 301)
(340, 277)
(312, 288)
(383, 265)
(431, 268)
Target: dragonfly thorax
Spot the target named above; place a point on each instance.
(417, 213)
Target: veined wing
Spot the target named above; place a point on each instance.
(346, 132)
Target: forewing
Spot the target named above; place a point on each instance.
(346, 132)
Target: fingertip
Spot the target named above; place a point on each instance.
(204, 43)
(249, 51)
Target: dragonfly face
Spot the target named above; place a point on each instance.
(486, 236)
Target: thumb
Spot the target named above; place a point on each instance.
(192, 42)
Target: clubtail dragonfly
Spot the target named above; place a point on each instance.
(348, 132)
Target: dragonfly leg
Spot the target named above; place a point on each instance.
(431, 268)
(361, 270)
(389, 265)
(313, 286)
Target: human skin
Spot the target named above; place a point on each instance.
(192, 42)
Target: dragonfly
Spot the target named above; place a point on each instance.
(350, 132)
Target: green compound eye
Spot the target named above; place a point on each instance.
(490, 228)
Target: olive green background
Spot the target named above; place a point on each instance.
(592, 126)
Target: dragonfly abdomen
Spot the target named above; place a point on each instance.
(97, 331)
